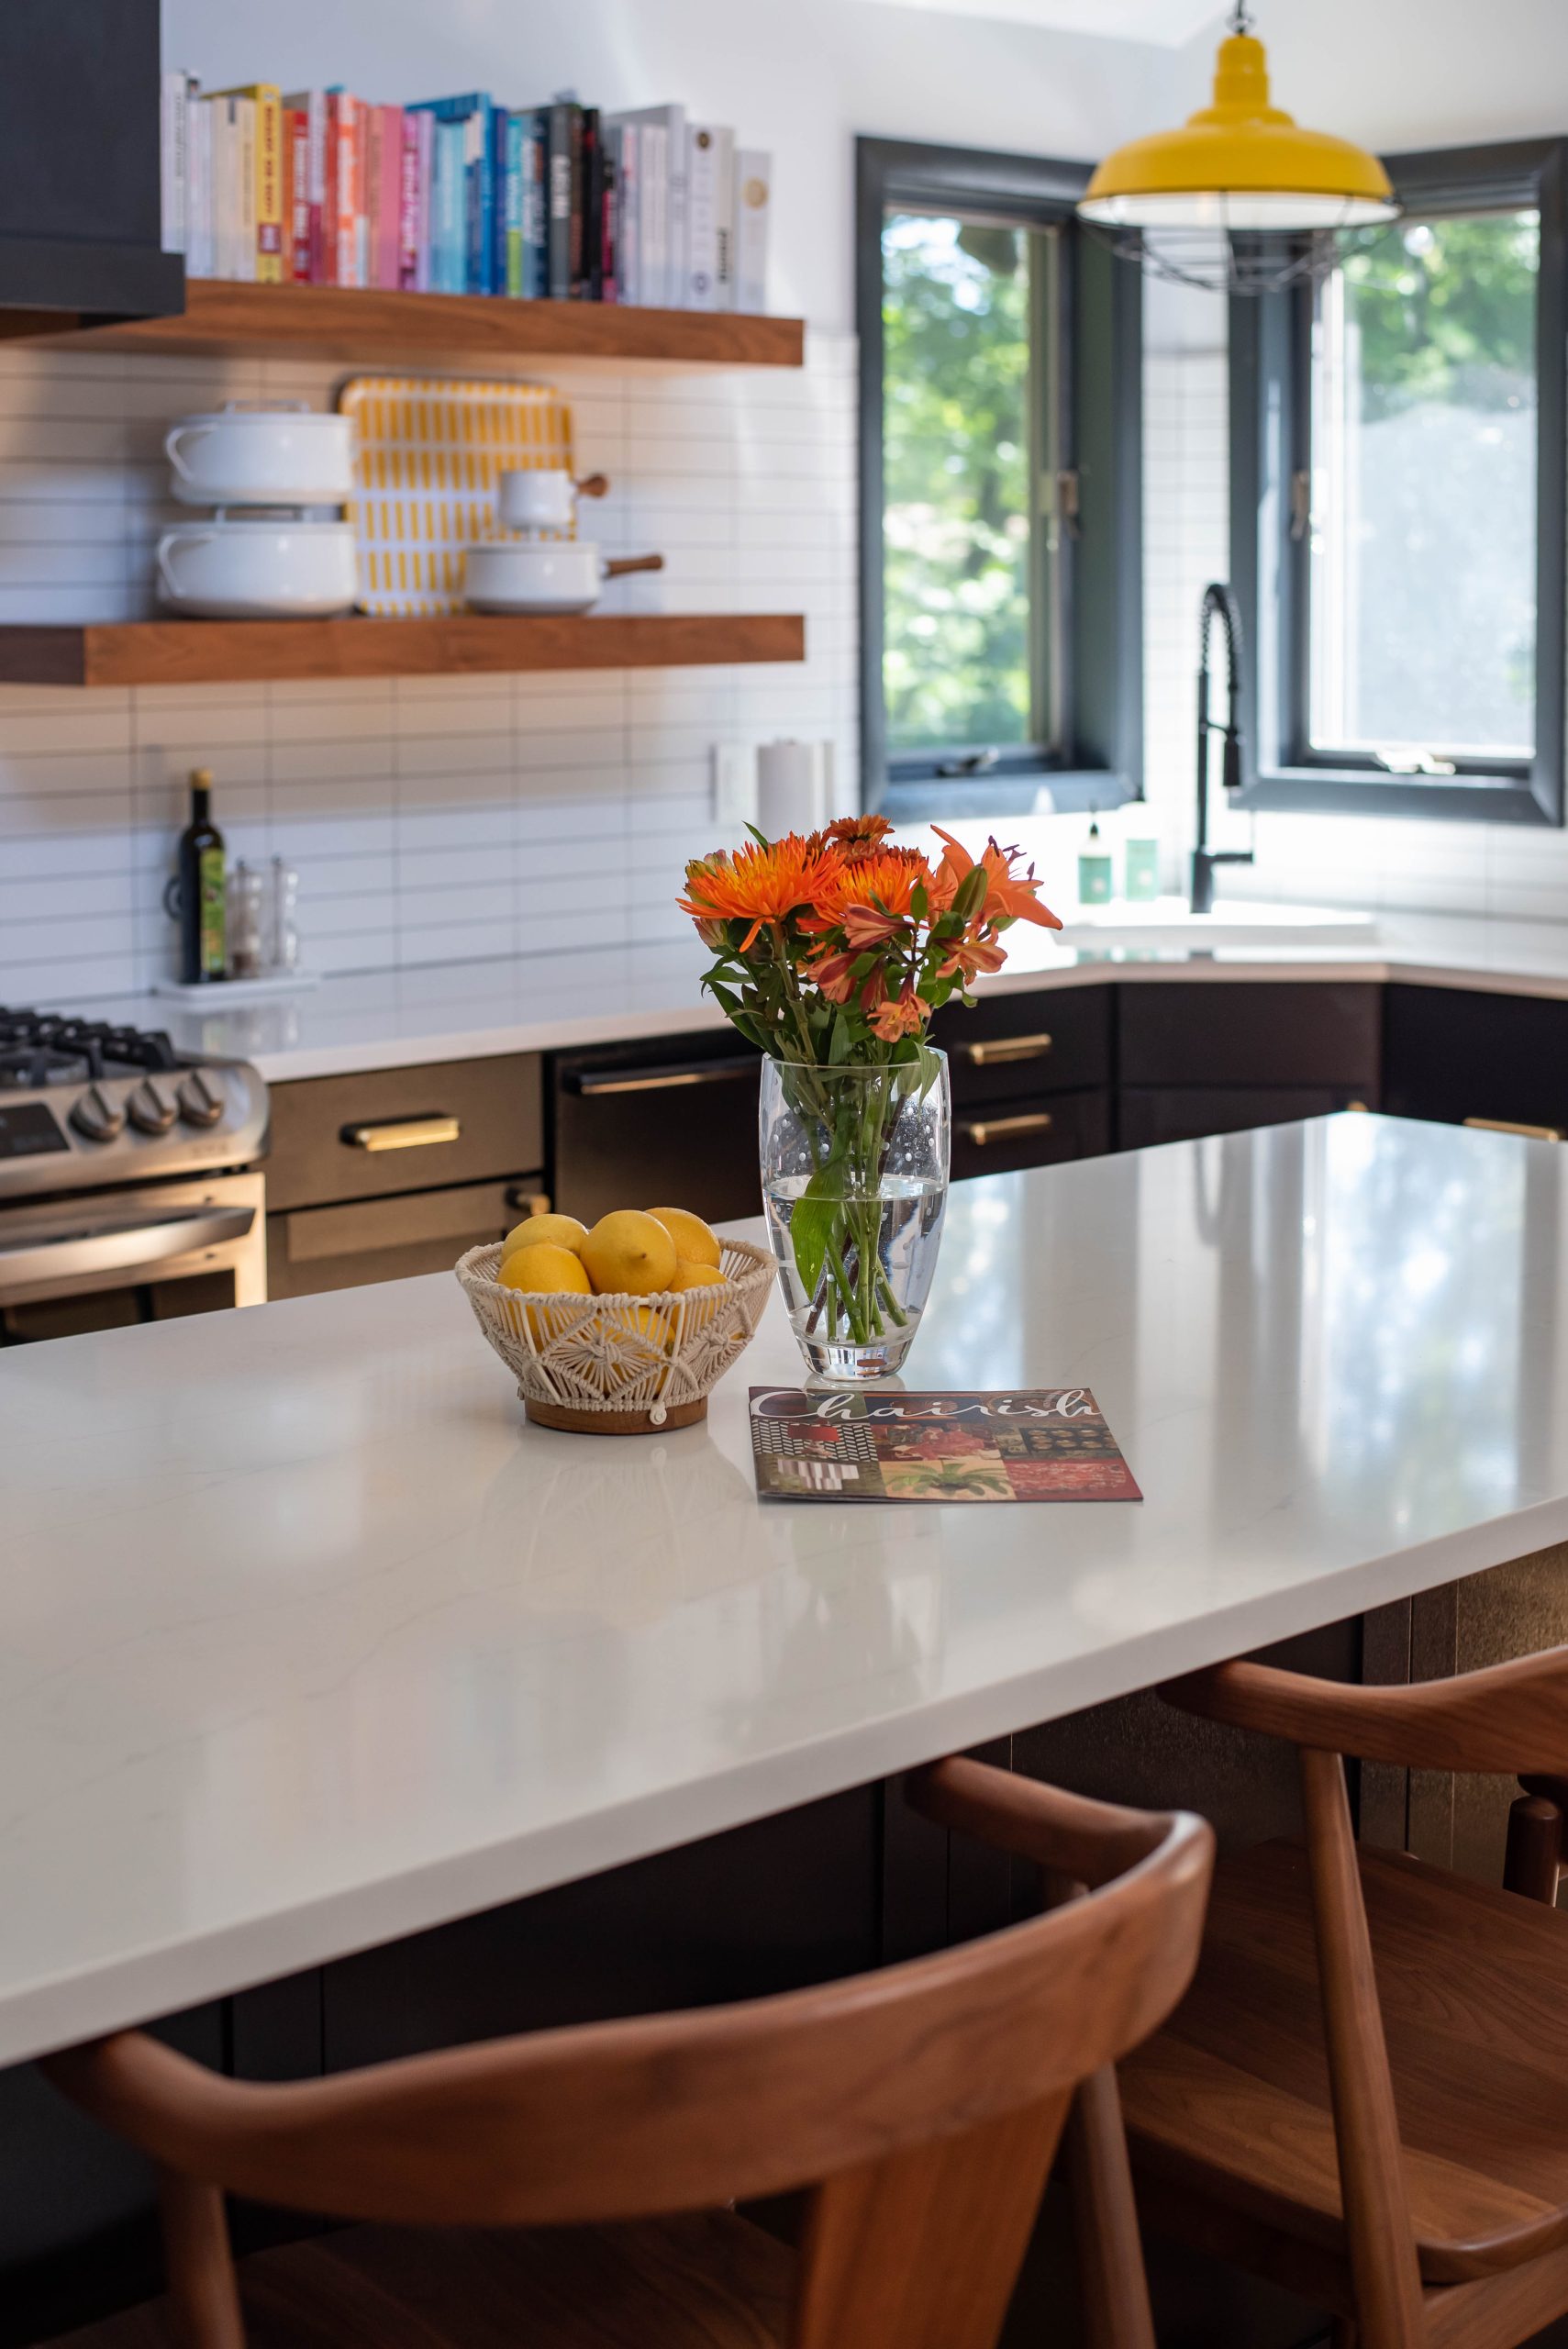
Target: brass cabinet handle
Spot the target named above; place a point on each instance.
(1508, 1126)
(664, 1080)
(996, 1129)
(1008, 1048)
(403, 1133)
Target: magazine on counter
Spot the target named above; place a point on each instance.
(1040, 1444)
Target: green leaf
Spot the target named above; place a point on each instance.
(813, 1225)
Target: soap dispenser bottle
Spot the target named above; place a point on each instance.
(1095, 869)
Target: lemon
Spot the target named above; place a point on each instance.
(545, 1271)
(695, 1243)
(546, 1231)
(629, 1253)
(690, 1276)
(656, 1327)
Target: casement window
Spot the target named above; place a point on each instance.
(1000, 488)
(1397, 504)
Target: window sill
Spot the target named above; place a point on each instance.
(1354, 791)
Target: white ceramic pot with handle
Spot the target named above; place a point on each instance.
(258, 568)
(543, 575)
(543, 497)
(262, 455)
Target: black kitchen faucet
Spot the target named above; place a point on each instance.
(1218, 604)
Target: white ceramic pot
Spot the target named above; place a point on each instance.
(543, 497)
(261, 456)
(543, 575)
(225, 570)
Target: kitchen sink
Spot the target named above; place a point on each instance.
(1169, 921)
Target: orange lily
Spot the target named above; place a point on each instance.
(1009, 896)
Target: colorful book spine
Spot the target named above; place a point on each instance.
(753, 196)
(513, 151)
(425, 136)
(702, 219)
(562, 142)
(535, 203)
(310, 258)
(472, 113)
(609, 228)
(200, 257)
(409, 203)
(174, 161)
(724, 219)
(296, 195)
(384, 193)
(664, 224)
(341, 236)
(261, 132)
(589, 282)
(625, 140)
(447, 237)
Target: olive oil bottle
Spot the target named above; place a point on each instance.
(202, 894)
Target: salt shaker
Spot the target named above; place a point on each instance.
(283, 950)
(245, 891)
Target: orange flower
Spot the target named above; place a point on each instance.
(758, 884)
(858, 836)
(905, 1016)
(860, 895)
(1009, 896)
(970, 954)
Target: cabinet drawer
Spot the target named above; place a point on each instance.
(1453, 1054)
(997, 1140)
(1224, 1032)
(1050, 1040)
(1155, 1113)
(369, 1136)
(311, 1249)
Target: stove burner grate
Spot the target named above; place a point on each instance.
(38, 1049)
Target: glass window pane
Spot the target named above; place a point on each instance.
(958, 661)
(1422, 600)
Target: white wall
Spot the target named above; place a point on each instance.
(800, 77)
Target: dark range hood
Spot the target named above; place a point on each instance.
(80, 194)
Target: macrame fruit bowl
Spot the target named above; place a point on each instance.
(621, 1365)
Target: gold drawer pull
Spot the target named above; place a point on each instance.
(1008, 1048)
(1508, 1126)
(403, 1133)
(997, 1128)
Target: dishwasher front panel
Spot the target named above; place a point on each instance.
(672, 1123)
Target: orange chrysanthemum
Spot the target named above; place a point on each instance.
(877, 884)
(758, 884)
(1009, 896)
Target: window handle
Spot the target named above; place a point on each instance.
(1067, 503)
(971, 762)
(1300, 507)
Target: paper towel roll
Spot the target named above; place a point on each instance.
(791, 787)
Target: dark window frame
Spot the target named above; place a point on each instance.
(1269, 443)
(1098, 691)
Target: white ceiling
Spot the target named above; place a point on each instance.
(1165, 23)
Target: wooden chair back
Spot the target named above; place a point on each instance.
(1512, 1718)
(922, 2105)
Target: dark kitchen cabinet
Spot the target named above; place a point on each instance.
(1453, 1053)
(667, 1122)
(1213, 1056)
(81, 225)
(1039, 1132)
(1014, 1046)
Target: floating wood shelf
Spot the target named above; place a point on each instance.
(422, 330)
(193, 653)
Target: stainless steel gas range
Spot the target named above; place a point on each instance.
(130, 1181)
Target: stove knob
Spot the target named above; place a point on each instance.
(151, 1111)
(201, 1103)
(97, 1116)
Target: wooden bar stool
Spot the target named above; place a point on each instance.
(1364, 2095)
(920, 2106)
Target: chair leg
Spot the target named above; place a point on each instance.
(1112, 2282)
(204, 2301)
(1535, 1846)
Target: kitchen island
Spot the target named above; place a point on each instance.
(308, 1644)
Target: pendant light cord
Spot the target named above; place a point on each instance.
(1240, 17)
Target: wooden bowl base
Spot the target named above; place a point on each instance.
(579, 1422)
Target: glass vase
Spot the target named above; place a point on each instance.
(855, 1183)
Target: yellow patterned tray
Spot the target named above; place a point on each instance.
(427, 455)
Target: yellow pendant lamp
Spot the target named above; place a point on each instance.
(1240, 165)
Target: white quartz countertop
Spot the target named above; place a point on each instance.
(306, 1640)
(619, 992)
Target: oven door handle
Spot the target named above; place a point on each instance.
(118, 1248)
